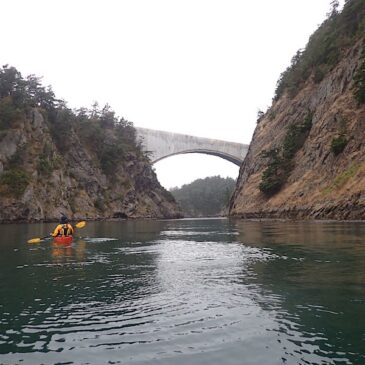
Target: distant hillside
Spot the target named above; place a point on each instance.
(204, 197)
(85, 163)
(306, 157)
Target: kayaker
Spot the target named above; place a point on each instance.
(64, 228)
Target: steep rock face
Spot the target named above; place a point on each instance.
(73, 182)
(320, 185)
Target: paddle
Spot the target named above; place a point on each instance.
(37, 240)
(81, 224)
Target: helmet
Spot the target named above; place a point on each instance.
(63, 219)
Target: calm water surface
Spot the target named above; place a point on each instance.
(209, 291)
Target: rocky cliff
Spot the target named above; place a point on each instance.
(324, 176)
(52, 167)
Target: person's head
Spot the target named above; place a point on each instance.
(63, 219)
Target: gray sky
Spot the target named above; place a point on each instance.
(199, 67)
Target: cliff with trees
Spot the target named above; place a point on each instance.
(207, 197)
(306, 158)
(85, 163)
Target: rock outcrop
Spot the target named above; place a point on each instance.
(321, 184)
(46, 180)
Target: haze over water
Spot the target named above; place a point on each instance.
(199, 291)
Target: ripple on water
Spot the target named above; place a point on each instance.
(99, 239)
(170, 300)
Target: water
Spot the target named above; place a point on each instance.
(209, 291)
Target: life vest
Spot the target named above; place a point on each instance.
(65, 230)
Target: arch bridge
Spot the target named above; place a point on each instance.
(161, 144)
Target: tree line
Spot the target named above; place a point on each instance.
(325, 48)
(206, 197)
(109, 138)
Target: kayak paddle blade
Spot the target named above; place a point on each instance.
(35, 240)
(80, 224)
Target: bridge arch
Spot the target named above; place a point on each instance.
(161, 145)
(225, 156)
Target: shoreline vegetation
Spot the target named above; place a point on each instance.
(84, 162)
(208, 197)
(305, 160)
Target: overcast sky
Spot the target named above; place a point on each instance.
(199, 67)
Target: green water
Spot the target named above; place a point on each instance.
(208, 291)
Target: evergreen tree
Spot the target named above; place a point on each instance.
(204, 197)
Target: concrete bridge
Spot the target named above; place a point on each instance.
(162, 144)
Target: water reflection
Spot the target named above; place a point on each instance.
(129, 230)
(185, 291)
(315, 288)
(63, 253)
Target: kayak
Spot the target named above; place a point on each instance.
(63, 239)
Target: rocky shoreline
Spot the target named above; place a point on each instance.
(322, 183)
(39, 177)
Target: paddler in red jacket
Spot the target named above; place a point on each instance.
(64, 228)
